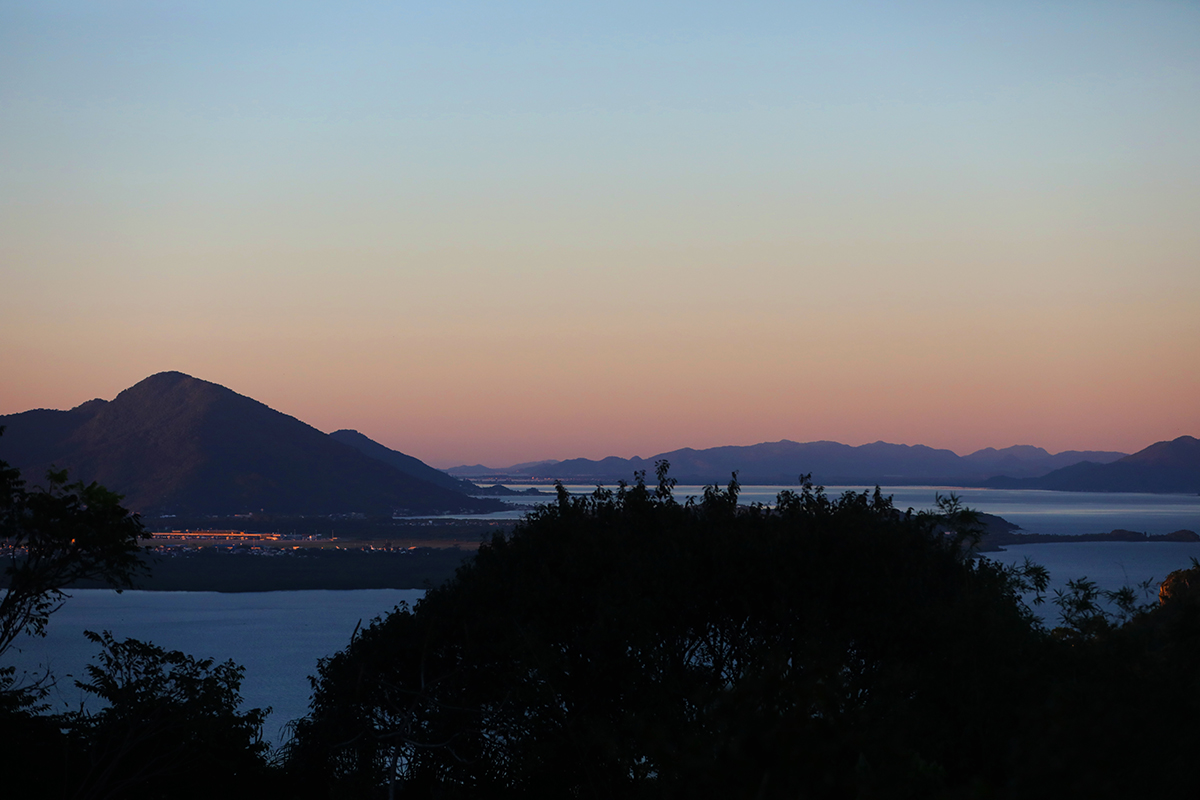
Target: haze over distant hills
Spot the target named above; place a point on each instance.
(176, 444)
(830, 463)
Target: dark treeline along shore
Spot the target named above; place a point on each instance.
(997, 533)
(212, 570)
(376, 563)
(335, 553)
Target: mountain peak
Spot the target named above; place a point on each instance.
(172, 442)
(170, 374)
(172, 381)
(89, 407)
(1020, 452)
(165, 381)
(1172, 466)
(1181, 452)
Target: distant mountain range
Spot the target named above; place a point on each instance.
(1172, 466)
(830, 463)
(176, 444)
(1163, 467)
(173, 444)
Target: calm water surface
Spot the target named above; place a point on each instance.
(1112, 565)
(276, 636)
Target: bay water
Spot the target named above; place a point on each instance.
(279, 636)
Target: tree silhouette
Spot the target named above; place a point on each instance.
(626, 644)
(51, 537)
(168, 726)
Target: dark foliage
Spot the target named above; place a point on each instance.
(168, 725)
(163, 725)
(627, 645)
(51, 537)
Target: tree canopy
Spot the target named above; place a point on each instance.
(166, 725)
(50, 537)
(627, 644)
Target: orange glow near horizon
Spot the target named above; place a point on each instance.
(492, 237)
(947, 381)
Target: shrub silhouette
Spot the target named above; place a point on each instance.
(625, 644)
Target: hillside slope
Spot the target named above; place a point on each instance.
(1170, 466)
(176, 444)
(402, 461)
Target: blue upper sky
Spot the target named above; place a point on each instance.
(397, 195)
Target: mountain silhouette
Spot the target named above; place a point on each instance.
(176, 444)
(830, 463)
(1171, 466)
(405, 463)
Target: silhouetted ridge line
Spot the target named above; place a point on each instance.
(405, 463)
(176, 444)
(1170, 466)
(829, 462)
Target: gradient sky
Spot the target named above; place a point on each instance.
(484, 232)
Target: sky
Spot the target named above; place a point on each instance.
(494, 233)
